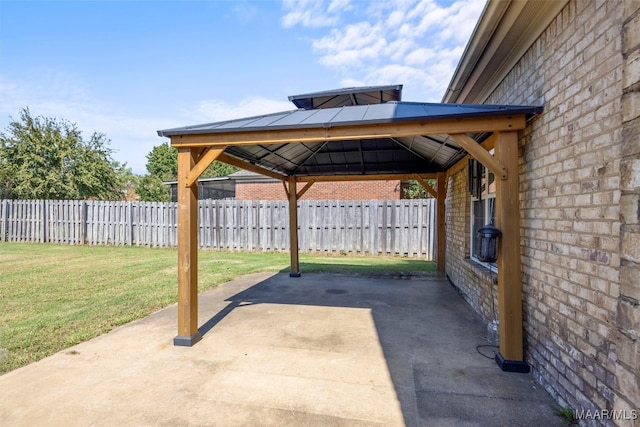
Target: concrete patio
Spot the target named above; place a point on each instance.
(319, 350)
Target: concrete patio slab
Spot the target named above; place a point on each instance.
(319, 350)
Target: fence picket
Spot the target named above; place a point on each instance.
(399, 227)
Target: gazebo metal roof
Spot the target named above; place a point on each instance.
(429, 153)
(348, 96)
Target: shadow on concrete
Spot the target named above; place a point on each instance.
(428, 336)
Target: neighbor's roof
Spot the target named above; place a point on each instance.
(398, 155)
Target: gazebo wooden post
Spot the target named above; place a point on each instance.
(188, 333)
(293, 228)
(440, 213)
(511, 357)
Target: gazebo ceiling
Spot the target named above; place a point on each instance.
(375, 139)
(354, 157)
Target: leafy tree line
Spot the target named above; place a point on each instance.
(48, 158)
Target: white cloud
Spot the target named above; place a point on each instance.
(419, 56)
(398, 73)
(244, 11)
(395, 18)
(312, 13)
(339, 5)
(352, 83)
(413, 42)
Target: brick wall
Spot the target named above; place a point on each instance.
(628, 315)
(579, 178)
(369, 190)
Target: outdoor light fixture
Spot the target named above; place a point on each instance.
(487, 243)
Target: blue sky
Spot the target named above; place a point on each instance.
(129, 68)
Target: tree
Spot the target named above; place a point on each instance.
(412, 189)
(218, 169)
(162, 161)
(46, 158)
(152, 189)
(127, 181)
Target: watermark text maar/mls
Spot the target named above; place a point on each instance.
(606, 414)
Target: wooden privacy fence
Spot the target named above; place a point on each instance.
(397, 227)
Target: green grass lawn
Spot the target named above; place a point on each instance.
(52, 297)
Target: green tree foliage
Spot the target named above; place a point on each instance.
(127, 181)
(218, 169)
(162, 162)
(414, 190)
(46, 158)
(151, 189)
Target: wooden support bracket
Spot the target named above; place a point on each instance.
(230, 160)
(204, 161)
(480, 154)
(305, 188)
(426, 186)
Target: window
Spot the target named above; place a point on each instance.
(482, 185)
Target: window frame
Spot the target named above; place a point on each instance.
(488, 200)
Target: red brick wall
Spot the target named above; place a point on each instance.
(361, 190)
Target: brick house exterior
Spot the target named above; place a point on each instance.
(273, 190)
(251, 186)
(579, 175)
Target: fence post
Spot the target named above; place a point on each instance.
(84, 223)
(132, 207)
(5, 221)
(44, 229)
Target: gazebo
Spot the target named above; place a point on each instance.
(361, 134)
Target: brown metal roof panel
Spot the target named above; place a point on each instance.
(295, 118)
(383, 112)
(234, 124)
(321, 116)
(353, 114)
(269, 120)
